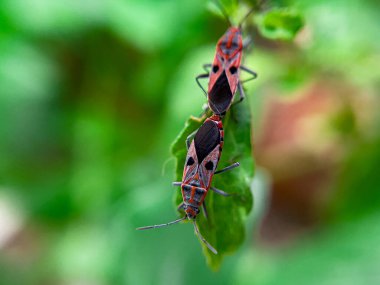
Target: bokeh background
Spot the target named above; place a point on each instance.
(92, 93)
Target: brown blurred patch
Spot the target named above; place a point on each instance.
(301, 146)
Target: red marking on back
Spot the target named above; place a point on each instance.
(232, 31)
(230, 39)
(216, 118)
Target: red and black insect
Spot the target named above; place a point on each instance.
(224, 77)
(201, 162)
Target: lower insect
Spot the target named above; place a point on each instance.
(202, 159)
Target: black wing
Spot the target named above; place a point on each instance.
(206, 139)
(220, 95)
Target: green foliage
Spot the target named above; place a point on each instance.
(93, 92)
(344, 254)
(358, 186)
(280, 23)
(224, 8)
(225, 228)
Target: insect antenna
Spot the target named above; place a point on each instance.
(203, 239)
(246, 17)
(223, 12)
(161, 225)
(257, 7)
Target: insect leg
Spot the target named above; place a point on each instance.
(232, 166)
(203, 239)
(204, 210)
(180, 206)
(254, 74)
(162, 225)
(241, 92)
(206, 66)
(179, 183)
(204, 75)
(220, 192)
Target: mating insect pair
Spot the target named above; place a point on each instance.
(202, 159)
(205, 149)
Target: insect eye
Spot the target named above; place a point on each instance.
(190, 161)
(233, 69)
(215, 68)
(209, 165)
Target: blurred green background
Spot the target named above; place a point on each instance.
(92, 93)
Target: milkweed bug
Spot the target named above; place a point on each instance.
(224, 77)
(202, 159)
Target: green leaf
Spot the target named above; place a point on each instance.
(224, 8)
(280, 24)
(224, 228)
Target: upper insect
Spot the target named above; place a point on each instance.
(224, 76)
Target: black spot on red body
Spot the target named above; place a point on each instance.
(209, 165)
(190, 161)
(233, 69)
